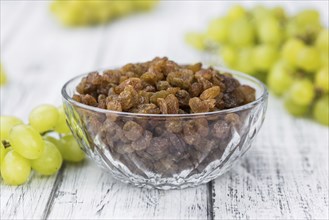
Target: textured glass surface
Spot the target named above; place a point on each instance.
(166, 151)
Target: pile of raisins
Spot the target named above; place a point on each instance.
(161, 86)
(165, 146)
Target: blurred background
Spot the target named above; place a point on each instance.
(45, 43)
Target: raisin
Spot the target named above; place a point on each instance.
(159, 94)
(162, 85)
(124, 148)
(221, 129)
(183, 97)
(132, 130)
(88, 100)
(162, 105)
(182, 79)
(77, 98)
(128, 98)
(158, 148)
(114, 105)
(148, 109)
(233, 119)
(248, 92)
(144, 97)
(191, 135)
(149, 77)
(173, 90)
(202, 126)
(206, 84)
(194, 67)
(196, 89)
(112, 76)
(230, 83)
(143, 142)
(172, 104)
(134, 82)
(174, 125)
(197, 105)
(205, 73)
(210, 93)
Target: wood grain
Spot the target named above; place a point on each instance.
(88, 192)
(283, 176)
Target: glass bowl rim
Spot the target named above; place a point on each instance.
(260, 99)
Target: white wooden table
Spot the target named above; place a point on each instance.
(283, 176)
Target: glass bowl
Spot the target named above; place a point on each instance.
(171, 151)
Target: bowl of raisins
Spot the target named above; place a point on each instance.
(162, 125)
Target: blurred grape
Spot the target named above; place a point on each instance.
(288, 52)
(91, 12)
(3, 77)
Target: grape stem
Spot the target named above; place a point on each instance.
(6, 143)
(46, 132)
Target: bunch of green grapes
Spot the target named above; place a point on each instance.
(24, 147)
(289, 53)
(89, 12)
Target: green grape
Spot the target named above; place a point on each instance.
(324, 58)
(70, 149)
(26, 141)
(279, 13)
(49, 162)
(291, 49)
(264, 56)
(3, 77)
(43, 118)
(280, 78)
(122, 7)
(145, 4)
(244, 61)
(236, 12)
(89, 12)
(229, 55)
(321, 110)
(322, 41)
(241, 33)
(217, 30)
(259, 12)
(68, 12)
(2, 152)
(196, 40)
(293, 108)
(322, 79)
(302, 92)
(308, 59)
(61, 126)
(308, 17)
(51, 139)
(6, 123)
(15, 169)
(305, 23)
(269, 31)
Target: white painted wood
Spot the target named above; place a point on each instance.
(88, 192)
(110, 198)
(284, 176)
(38, 60)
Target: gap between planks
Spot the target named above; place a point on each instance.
(57, 183)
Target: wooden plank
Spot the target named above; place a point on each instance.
(284, 176)
(87, 191)
(13, 15)
(44, 55)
